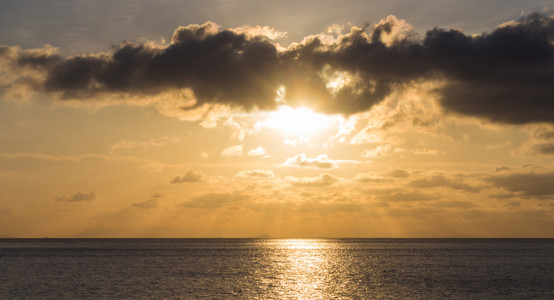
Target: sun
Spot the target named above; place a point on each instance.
(300, 121)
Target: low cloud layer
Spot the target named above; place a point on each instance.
(441, 181)
(504, 76)
(321, 181)
(531, 184)
(215, 200)
(407, 197)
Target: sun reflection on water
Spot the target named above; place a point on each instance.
(301, 244)
(301, 267)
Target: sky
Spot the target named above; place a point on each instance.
(290, 119)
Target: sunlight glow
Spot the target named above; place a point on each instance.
(337, 82)
(297, 121)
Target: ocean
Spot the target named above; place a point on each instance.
(277, 268)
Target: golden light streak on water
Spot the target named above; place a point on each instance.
(301, 266)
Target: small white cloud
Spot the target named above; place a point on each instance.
(290, 142)
(232, 151)
(257, 151)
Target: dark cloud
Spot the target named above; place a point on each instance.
(190, 176)
(218, 66)
(539, 185)
(78, 197)
(504, 76)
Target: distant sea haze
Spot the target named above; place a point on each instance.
(276, 268)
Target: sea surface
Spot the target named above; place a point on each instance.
(277, 268)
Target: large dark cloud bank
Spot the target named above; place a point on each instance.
(505, 75)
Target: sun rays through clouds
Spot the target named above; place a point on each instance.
(376, 127)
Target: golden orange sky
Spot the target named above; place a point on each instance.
(228, 129)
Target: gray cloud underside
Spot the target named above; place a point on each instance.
(539, 185)
(190, 176)
(506, 75)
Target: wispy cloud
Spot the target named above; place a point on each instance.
(151, 165)
(151, 202)
(259, 173)
(77, 197)
(190, 176)
(215, 200)
(130, 144)
(146, 204)
(442, 181)
(319, 162)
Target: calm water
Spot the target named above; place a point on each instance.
(277, 269)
